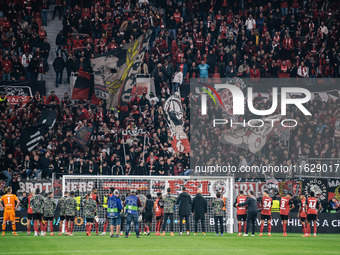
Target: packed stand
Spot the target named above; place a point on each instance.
(24, 49)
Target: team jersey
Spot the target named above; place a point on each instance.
(96, 199)
(9, 201)
(90, 208)
(266, 206)
(148, 207)
(217, 206)
(303, 209)
(241, 210)
(142, 199)
(29, 208)
(37, 202)
(159, 205)
(71, 206)
(312, 205)
(285, 205)
(61, 205)
(169, 204)
(49, 207)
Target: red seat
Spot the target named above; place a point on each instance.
(216, 75)
(284, 75)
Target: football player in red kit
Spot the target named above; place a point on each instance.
(159, 213)
(95, 197)
(313, 207)
(266, 212)
(241, 212)
(286, 204)
(302, 213)
(29, 212)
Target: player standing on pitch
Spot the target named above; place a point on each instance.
(106, 198)
(302, 213)
(49, 208)
(95, 198)
(9, 203)
(286, 204)
(142, 199)
(70, 211)
(37, 202)
(148, 211)
(266, 212)
(90, 208)
(61, 205)
(313, 207)
(218, 210)
(169, 210)
(29, 212)
(159, 213)
(241, 213)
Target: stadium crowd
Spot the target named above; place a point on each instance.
(196, 38)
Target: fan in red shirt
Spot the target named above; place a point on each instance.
(302, 212)
(241, 212)
(286, 204)
(29, 212)
(266, 212)
(312, 208)
(159, 212)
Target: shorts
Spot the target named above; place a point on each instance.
(71, 218)
(311, 217)
(29, 216)
(48, 218)
(284, 217)
(242, 217)
(302, 219)
(147, 217)
(62, 218)
(9, 215)
(37, 216)
(266, 217)
(116, 221)
(89, 220)
(159, 217)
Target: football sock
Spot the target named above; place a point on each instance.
(261, 228)
(96, 224)
(239, 227)
(269, 227)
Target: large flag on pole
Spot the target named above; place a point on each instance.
(115, 71)
(174, 113)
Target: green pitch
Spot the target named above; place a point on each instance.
(160, 245)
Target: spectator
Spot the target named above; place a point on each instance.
(59, 65)
(203, 67)
(177, 80)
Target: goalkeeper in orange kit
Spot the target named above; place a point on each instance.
(9, 203)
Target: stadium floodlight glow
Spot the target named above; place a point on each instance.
(238, 98)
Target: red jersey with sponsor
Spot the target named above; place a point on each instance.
(95, 198)
(159, 211)
(312, 205)
(284, 206)
(303, 209)
(266, 206)
(241, 210)
(29, 209)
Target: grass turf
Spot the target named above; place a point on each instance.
(160, 245)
